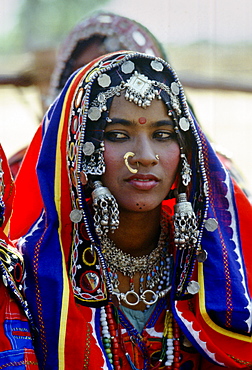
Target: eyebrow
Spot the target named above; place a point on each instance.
(127, 123)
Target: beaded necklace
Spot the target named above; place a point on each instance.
(112, 324)
(154, 271)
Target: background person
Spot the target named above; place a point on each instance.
(101, 33)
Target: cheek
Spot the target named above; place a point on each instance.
(171, 159)
(108, 157)
(113, 163)
(109, 162)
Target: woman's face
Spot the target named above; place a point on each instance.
(147, 133)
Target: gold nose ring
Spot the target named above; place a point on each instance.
(126, 158)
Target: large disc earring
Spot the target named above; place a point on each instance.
(106, 217)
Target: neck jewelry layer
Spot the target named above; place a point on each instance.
(152, 270)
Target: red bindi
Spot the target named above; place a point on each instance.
(142, 120)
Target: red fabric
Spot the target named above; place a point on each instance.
(16, 160)
(27, 186)
(82, 347)
(234, 352)
(9, 187)
(245, 222)
(220, 346)
(10, 311)
(16, 349)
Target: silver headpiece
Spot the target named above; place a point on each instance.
(139, 89)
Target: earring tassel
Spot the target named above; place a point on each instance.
(106, 215)
(185, 225)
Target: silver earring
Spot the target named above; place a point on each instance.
(185, 223)
(106, 217)
(186, 171)
(93, 163)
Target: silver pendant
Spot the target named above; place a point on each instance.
(76, 215)
(157, 66)
(101, 98)
(104, 80)
(128, 67)
(211, 224)
(201, 255)
(193, 287)
(184, 124)
(175, 88)
(94, 113)
(88, 148)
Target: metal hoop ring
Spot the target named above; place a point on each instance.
(154, 297)
(132, 292)
(126, 157)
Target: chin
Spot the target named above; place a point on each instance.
(139, 206)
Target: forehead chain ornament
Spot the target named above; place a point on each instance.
(139, 89)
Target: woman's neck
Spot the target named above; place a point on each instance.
(138, 232)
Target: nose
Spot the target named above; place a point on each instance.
(144, 153)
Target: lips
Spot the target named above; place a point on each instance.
(143, 182)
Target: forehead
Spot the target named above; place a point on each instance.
(122, 108)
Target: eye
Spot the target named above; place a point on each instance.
(116, 136)
(164, 135)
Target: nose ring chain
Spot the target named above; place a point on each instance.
(126, 157)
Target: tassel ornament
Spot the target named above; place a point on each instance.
(106, 217)
(185, 225)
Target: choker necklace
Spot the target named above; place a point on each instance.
(153, 270)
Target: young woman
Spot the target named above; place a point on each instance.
(135, 238)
